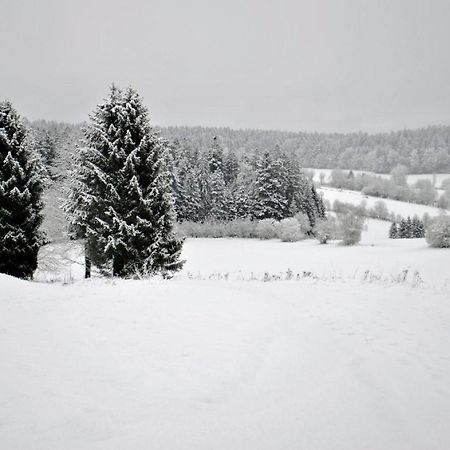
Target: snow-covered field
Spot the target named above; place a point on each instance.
(351, 353)
(437, 178)
(355, 197)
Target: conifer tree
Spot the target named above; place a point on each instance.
(393, 231)
(269, 194)
(230, 168)
(20, 198)
(417, 228)
(215, 156)
(120, 200)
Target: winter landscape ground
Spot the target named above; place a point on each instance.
(255, 345)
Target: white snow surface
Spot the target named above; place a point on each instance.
(193, 364)
(437, 178)
(355, 197)
(352, 354)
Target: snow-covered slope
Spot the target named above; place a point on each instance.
(189, 364)
(355, 197)
(437, 178)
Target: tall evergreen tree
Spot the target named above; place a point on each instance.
(269, 193)
(230, 168)
(393, 231)
(120, 199)
(20, 198)
(215, 156)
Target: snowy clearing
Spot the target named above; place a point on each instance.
(355, 197)
(351, 353)
(376, 257)
(210, 364)
(437, 178)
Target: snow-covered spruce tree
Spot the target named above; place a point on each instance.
(184, 183)
(393, 231)
(20, 198)
(302, 195)
(269, 197)
(120, 199)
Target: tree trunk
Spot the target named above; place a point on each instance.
(118, 264)
(87, 263)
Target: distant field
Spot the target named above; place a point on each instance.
(412, 178)
(355, 198)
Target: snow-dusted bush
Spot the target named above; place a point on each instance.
(266, 229)
(289, 230)
(303, 222)
(438, 232)
(242, 228)
(239, 228)
(351, 227)
(379, 210)
(325, 229)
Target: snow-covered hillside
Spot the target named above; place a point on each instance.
(190, 364)
(355, 197)
(437, 178)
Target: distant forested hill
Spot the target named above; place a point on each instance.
(423, 150)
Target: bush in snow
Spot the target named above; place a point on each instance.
(289, 230)
(242, 228)
(266, 229)
(303, 222)
(120, 199)
(379, 211)
(438, 232)
(351, 227)
(20, 198)
(325, 229)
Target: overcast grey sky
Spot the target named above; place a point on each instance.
(324, 65)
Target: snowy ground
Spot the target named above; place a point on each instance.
(437, 178)
(351, 353)
(376, 257)
(402, 208)
(191, 364)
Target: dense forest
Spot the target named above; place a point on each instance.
(424, 150)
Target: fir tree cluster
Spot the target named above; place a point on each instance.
(218, 185)
(407, 228)
(20, 197)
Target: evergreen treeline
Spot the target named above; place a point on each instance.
(424, 150)
(218, 185)
(20, 197)
(407, 228)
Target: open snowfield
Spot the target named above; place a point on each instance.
(350, 354)
(438, 178)
(356, 197)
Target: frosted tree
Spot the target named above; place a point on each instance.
(120, 200)
(393, 231)
(269, 194)
(438, 232)
(215, 156)
(351, 227)
(20, 198)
